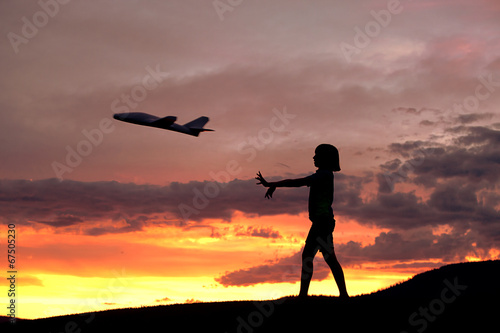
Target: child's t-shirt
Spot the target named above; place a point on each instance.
(320, 194)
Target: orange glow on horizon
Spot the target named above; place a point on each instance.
(67, 271)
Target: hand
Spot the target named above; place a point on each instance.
(261, 180)
(270, 191)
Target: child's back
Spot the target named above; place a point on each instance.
(320, 195)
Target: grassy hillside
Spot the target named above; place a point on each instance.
(454, 298)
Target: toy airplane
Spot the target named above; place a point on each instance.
(192, 128)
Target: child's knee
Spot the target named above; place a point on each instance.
(332, 261)
(307, 264)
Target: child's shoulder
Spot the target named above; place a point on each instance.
(324, 173)
(321, 175)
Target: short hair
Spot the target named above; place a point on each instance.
(328, 156)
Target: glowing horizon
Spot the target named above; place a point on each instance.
(123, 280)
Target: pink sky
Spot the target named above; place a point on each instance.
(408, 91)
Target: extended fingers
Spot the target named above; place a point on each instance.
(260, 179)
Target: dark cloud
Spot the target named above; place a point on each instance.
(62, 220)
(425, 264)
(408, 148)
(461, 177)
(414, 111)
(395, 250)
(401, 247)
(454, 199)
(286, 269)
(475, 135)
(131, 224)
(475, 157)
(391, 165)
(469, 118)
(65, 203)
(453, 204)
(427, 123)
(391, 210)
(257, 232)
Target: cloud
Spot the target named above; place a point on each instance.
(130, 206)
(453, 203)
(285, 269)
(192, 300)
(394, 250)
(424, 264)
(165, 299)
(130, 225)
(474, 157)
(31, 281)
(66, 203)
(253, 231)
(460, 177)
(469, 118)
(411, 246)
(427, 123)
(391, 165)
(63, 220)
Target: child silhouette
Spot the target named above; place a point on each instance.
(320, 237)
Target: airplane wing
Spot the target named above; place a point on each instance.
(165, 121)
(136, 117)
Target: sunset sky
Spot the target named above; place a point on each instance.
(110, 214)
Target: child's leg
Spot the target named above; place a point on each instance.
(338, 273)
(307, 268)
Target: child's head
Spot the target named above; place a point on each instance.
(327, 157)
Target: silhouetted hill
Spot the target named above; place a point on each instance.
(454, 298)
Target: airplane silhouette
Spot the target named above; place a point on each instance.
(192, 128)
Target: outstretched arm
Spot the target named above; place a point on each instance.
(282, 183)
(289, 183)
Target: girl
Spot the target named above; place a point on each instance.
(320, 237)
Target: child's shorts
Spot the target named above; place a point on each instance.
(321, 235)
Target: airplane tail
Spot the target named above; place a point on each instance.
(196, 126)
